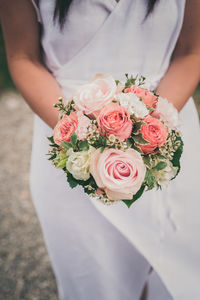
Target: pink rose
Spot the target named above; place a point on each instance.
(83, 124)
(64, 128)
(115, 119)
(154, 132)
(91, 97)
(147, 97)
(119, 173)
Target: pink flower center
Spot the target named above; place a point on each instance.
(66, 128)
(154, 130)
(114, 119)
(120, 170)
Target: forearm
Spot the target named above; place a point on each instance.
(180, 80)
(38, 87)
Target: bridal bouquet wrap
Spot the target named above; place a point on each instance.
(117, 140)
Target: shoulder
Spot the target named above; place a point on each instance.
(20, 28)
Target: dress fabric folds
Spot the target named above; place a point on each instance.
(105, 252)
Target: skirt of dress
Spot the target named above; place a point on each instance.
(91, 256)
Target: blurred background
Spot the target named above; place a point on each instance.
(25, 271)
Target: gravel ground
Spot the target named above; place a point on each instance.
(25, 271)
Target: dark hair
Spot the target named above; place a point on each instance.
(62, 6)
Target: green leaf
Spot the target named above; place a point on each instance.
(150, 180)
(71, 180)
(159, 187)
(137, 126)
(103, 140)
(141, 80)
(61, 164)
(129, 143)
(54, 145)
(52, 157)
(135, 197)
(150, 109)
(137, 148)
(87, 191)
(160, 156)
(83, 145)
(66, 145)
(50, 138)
(102, 149)
(84, 183)
(74, 139)
(147, 161)
(129, 81)
(140, 140)
(92, 182)
(176, 159)
(160, 166)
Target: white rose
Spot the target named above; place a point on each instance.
(166, 112)
(93, 96)
(78, 163)
(133, 104)
(164, 176)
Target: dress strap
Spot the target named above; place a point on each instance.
(37, 11)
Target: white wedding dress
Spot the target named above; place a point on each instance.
(104, 252)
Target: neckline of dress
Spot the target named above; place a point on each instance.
(105, 23)
(115, 3)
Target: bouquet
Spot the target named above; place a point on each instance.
(117, 140)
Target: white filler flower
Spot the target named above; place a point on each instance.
(167, 113)
(133, 104)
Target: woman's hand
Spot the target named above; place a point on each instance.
(22, 40)
(183, 74)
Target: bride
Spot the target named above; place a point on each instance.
(100, 252)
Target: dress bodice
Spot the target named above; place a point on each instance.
(101, 36)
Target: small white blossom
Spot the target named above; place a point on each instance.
(171, 145)
(115, 142)
(133, 104)
(103, 199)
(92, 132)
(112, 138)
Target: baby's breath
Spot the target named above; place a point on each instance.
(64, 108)
(114, 142)
(103, 198)
(171, 145)
(92, 133)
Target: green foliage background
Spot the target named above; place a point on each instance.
(6, 81)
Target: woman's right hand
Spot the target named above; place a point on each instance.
(22, 39)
